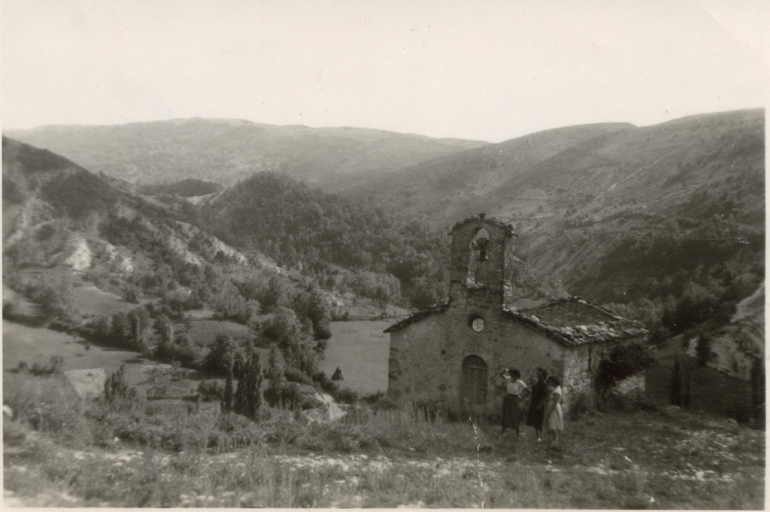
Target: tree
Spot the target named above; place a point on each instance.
(227, 397)
(120, 329)
(139, 321)
(164, 330)
(285, 329)
(117, 390)
(623, 362)
(275, 373)
(676, 383)
(321, 316)
(247, 397)
(276, 294)
(221, 356)
(101, 327)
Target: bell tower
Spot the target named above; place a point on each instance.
(482, 249)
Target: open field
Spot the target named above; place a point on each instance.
(90, 300)
(203, 332)
(38, 344)
(710, 390)
(664, 459)
(360, 348)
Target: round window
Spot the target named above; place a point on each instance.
(477, 324)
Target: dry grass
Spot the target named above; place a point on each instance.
(203, 332)
(37, 344)
(665, 459)
(97, 302)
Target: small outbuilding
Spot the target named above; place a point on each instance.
(449, 353)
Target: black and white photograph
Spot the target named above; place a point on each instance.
(379, 254)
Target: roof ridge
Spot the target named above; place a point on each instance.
(438, 307)
(484, 218)
(580, 334)
(580, 300)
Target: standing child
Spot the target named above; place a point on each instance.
(554, 420)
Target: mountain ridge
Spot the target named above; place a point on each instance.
(226, 150)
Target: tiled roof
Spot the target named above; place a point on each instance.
(491, 220)
(430, 310)
(613, 328)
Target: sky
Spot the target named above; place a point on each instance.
(487, 70)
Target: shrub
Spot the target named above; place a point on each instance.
(211, 390)
(385, 404)
(623, 362)
(327, 385)
(47, 404)
(248, 400)
(54, 366)
(117, 392)
(345, 395)
(295, 375)
(580, 405)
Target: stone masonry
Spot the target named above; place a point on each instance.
(444, 355)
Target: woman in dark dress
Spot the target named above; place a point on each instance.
(515, 388)
(536, 413)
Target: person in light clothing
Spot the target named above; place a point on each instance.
(515, 390)
(554, 419)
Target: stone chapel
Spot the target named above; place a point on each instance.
(450, 353)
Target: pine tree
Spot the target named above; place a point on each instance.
(227, 398)
(676, 383)
(247, 398)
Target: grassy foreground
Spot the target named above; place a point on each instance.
(62, 452)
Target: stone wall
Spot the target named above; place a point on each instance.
(489, 274)
(581, 364)
(426, 357)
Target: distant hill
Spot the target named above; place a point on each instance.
(306, 228)
(671, 214)
(224, 151)
(451, 187)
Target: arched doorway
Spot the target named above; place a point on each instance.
(475, 380)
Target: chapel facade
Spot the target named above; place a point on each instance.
(450, 353)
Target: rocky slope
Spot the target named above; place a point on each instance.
(58, 214)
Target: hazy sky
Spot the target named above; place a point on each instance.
(487, 69)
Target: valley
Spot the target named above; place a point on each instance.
(204, 279)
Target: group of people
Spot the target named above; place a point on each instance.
(544, 407)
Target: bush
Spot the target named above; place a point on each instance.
(117, 392)
(580, 406)
(248, 399)
(345, 396)
(211, 390)
(54, 366)
(327, 385)
(47, 404)
(295, 375)
(385, 404)
(623, 362)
